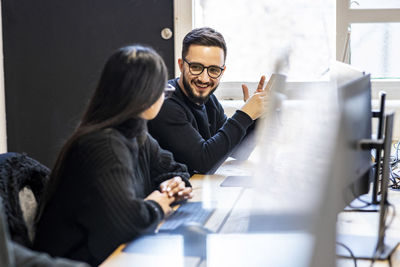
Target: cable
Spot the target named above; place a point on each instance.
(350, 252)
(397, 148)
(391, 176)
(393, 216)
(393, 164)
(394, 160)
(367, 204)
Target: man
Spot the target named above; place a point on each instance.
(191, 123)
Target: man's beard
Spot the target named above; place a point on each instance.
(191, 94)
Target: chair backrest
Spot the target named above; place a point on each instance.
(6, 252)
(19, 172)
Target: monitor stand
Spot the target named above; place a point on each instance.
(379, 247)
(370, 202)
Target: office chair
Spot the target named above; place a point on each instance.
(20, 173)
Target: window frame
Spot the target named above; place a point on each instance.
(346, 16)
(183, 18)
(3, 124)
(183, 23)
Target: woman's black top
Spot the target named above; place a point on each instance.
(99, 202)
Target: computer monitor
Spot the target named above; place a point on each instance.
(374, 247)
(354, 99)
(294, 191)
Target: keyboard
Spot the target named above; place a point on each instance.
(187, 212)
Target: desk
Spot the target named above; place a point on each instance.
(232, 209)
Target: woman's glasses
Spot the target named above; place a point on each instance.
(198, 68)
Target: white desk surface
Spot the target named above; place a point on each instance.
(233, 247)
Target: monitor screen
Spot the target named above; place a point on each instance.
(294, 189)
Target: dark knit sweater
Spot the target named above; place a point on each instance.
(201, 136)
(13, 254)
(99, 202)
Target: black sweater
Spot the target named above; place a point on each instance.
(201, 136)
(99, 202)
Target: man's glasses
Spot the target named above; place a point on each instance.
(197, 69)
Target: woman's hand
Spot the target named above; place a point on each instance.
(175, 187)
(163, 200)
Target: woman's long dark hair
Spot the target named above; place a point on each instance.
(132, 80)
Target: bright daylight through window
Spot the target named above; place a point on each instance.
(374, 42)
(300, 35)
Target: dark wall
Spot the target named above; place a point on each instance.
(53, 54)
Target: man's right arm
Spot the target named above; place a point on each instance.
(175, 132)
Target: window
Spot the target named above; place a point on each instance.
(375, 48)
(368, 36)
(265, 36)
(303, 37)
(373, 4)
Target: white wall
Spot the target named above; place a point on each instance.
(182, 25)
(3, 132)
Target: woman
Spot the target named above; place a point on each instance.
(112, 182)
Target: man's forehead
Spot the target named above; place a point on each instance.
(208, 55)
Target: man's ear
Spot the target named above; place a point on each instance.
(223, 70)
(180, 64)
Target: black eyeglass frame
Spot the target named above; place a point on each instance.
(204, 67)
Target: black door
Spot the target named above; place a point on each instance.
(53, 55)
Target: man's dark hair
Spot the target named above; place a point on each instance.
(204, 36)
